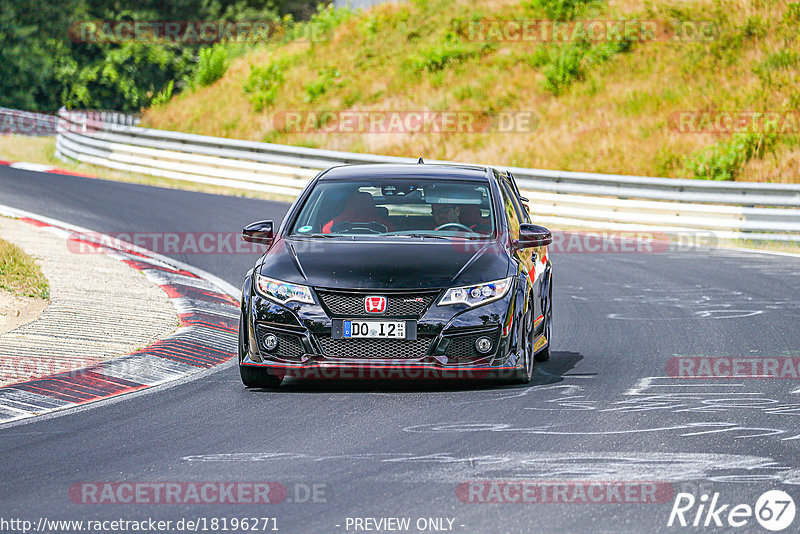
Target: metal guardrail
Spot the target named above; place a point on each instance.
(732, 210)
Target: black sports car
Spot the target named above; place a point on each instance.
(399, 271)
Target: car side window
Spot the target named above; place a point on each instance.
(510, 188)
(513, 182)
(521, 211)
(526, 214)
(511, 210)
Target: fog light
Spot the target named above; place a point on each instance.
(270, 342)
(483, 345)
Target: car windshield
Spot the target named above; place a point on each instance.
(397, 207)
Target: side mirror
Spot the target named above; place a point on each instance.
(258, 232)
(533, 235)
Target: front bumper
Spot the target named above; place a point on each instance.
(377, 370)
(444, 347)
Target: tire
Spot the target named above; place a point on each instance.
(524, 376)
(544, 353)
(253, 377)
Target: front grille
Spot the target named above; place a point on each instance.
(462, 348)
(409, 305)
(375, 348)
(289, 345)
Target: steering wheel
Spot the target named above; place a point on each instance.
(458, 225)
(348, 227)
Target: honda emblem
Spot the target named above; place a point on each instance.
(375, 304)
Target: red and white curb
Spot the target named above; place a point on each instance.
(41, 167)
(208, 309)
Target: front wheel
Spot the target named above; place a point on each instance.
(253, 377)
(525, 375)
(544, 353)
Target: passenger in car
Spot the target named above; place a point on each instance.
(470, 215)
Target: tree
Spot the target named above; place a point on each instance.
(45, 65)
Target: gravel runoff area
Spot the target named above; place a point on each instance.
(16, 310)
(99, 308)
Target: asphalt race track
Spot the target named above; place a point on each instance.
(604, 409)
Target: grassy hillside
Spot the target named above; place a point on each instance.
(606, 104)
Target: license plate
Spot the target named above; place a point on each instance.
(374, 329)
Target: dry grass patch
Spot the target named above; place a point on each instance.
(19, 273)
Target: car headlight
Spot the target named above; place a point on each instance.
(477, 294)
(283, 292)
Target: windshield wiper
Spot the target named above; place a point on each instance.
(326, 236)
(435, 236)
(448, 237)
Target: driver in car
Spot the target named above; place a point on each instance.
(445, 214)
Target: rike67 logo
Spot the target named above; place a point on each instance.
(774, 510)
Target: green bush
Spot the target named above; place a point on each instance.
(327, 78)
(322, 23)
(163, 98)
(376, 22)
(564, 67)
(724, 160)
(263, 83)
(561, 9)
(728, 46)
(570, 62)
(212, 63)
(604, 51)
(352, 98)
(774, 63)
(449, 51)
(666, 161)
(469, 91)
(539, 57)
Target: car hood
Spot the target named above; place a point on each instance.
(395, 263)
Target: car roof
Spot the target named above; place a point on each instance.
(392, 170)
